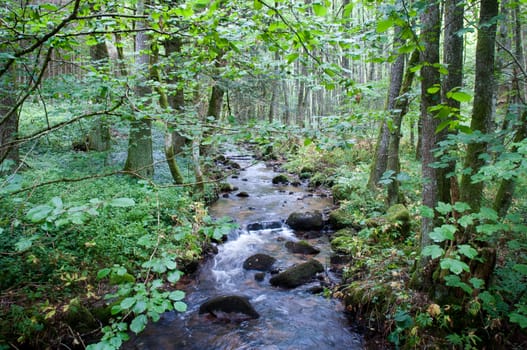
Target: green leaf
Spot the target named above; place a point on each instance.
(434, 251)
(57, 202)
(176, 295)
(455, 281)
(139, 307)
(444, 208)
(477, 282)
(24, 243)
(454, 265)
(174, 276)
(467, 251)
(465, 221)
(39, 213)
(460, 96)
(433, 90)
(292, 57)
(103, 273)
(127, 303)
(122, 202)
(443, 233)
(320, 10)
(138, 324)
(521, 268)
(384, 25)
(461, 207)
(257, 5)
(180, 306)
(519, 319)
(426, 212)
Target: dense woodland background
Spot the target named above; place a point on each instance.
(113, 113)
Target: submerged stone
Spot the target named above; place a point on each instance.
(301, 247)
(229, 307)
(297, 275)
(280, 179)
(260, 262)
(311, 220)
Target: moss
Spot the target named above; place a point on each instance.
(280, 179)
(371, 299)
(80, 318)
(341, 218)
(116, 279)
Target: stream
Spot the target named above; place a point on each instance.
(289, 318)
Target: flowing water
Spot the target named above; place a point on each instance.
(289, 319)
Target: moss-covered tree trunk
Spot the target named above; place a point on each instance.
(400, 110)
(99, 135)
(429, 123)
(380, 157)
(140, 161)
(471, 192)
(448, 187)
(176, 100)
(8, 121)
(518, 92)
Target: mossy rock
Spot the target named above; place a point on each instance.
(227, 187)
(79, 318)
(305, 176)
(398, 218)
(372, 299)
(301, 247)
(280, 179)
(297, 275)
(341, 218)
(398, 212)
(116, 279)
(348, 231)
(348, 244)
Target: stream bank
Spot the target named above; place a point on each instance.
(289, 318)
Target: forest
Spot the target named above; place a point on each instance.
(114, 121)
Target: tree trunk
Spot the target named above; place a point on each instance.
(164, 103)
(401, 108)
(140, 161)
(429, 123)
(9, 154)
(505, 194)
(380, 158)
(471, 192)
(448, 187)
(99, 138)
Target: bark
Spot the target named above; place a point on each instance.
(505, 193)
(471, 192)
(380, 158)
(400, 110)
(448, 187)
(99, 138)
(170, 155)
(9, 126)
(140, 159)
(429, 123)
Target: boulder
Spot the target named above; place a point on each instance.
(260, 262)
(399, 218)
(280, 179)
(242, 194)
(306, 221)
(297, 275)
(269, 225)
(341, 218)
(301, 247)
(232, 307)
